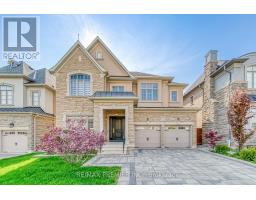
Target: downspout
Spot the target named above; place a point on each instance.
(34, 130)
(229, 84)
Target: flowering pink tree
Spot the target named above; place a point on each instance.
(238, 116)
(73, 143)
(213, 137)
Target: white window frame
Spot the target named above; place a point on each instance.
(86, 94)
(149, 95)
(99, 55)
(118, 88)
(32, 98)
(171, 95)
(6, 100)
(81, 116)
(253, 76)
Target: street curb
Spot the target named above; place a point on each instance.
(229, 158)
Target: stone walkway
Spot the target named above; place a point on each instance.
(177, 166)
(9, 155)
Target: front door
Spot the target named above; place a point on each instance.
(116, 128)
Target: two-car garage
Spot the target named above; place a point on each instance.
(154, 136)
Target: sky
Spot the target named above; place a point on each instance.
(173, 45)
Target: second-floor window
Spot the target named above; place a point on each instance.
(35, 98)
(251, 76)
(80, 85)
(192, 100)
(6, 95)
(173, 96)
(117, 88)
(149, 91)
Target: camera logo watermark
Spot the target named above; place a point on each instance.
(21, 38)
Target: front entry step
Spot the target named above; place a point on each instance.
(113, 148)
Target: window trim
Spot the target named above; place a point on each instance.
(9, 85)
(253, 76)
(68, 83)
(192, 100)
(119, 86)
(39, 98)
(152, 100)
(81, 116)
(170, 96)
(96, 55)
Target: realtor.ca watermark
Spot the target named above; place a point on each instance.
(20, 39)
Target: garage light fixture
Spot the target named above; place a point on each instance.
(11, 125)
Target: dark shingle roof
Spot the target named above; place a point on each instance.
(37, 110)
(38, 76)
(16, 68)
(21, 68)
(142, 74)
(113, 94)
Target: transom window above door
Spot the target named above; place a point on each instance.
(6, 95)
(251, 76)
(80, 85)
(117, 88)
(149, 91)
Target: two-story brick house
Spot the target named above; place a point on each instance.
(27, 99)
(135, 108)
(212, 90)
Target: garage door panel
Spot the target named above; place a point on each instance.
(175, 137)
(147, 137)
(14, 141)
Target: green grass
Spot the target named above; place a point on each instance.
(27, 170)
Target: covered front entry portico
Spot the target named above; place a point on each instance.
(114, 115)
(114, 124)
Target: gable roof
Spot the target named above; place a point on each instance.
(98, 39)
(197, 82)
(23, 69)
(70, 51)
(16, 68)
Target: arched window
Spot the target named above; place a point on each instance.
(6, 95)
(80, 85)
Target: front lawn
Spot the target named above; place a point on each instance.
(29, 170)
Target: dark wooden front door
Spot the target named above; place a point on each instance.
(116, 128)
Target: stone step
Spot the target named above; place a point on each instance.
(113, 148)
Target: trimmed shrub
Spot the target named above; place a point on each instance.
(222, 149)
(248, 154)
(213, 137)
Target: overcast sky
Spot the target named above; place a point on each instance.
(172, 45)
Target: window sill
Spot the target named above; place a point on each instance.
(149, 101)
(7, 105)
(68, 96)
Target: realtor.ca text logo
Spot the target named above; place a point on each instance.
(21, 38)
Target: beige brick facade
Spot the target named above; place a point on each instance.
(67, 104)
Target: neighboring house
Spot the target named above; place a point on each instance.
(212, 90)
(132, 108)
(26, 106)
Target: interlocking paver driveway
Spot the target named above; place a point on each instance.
(178, 166)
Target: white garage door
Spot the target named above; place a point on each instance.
(14, 141)
(177, 136)
(147, 136)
